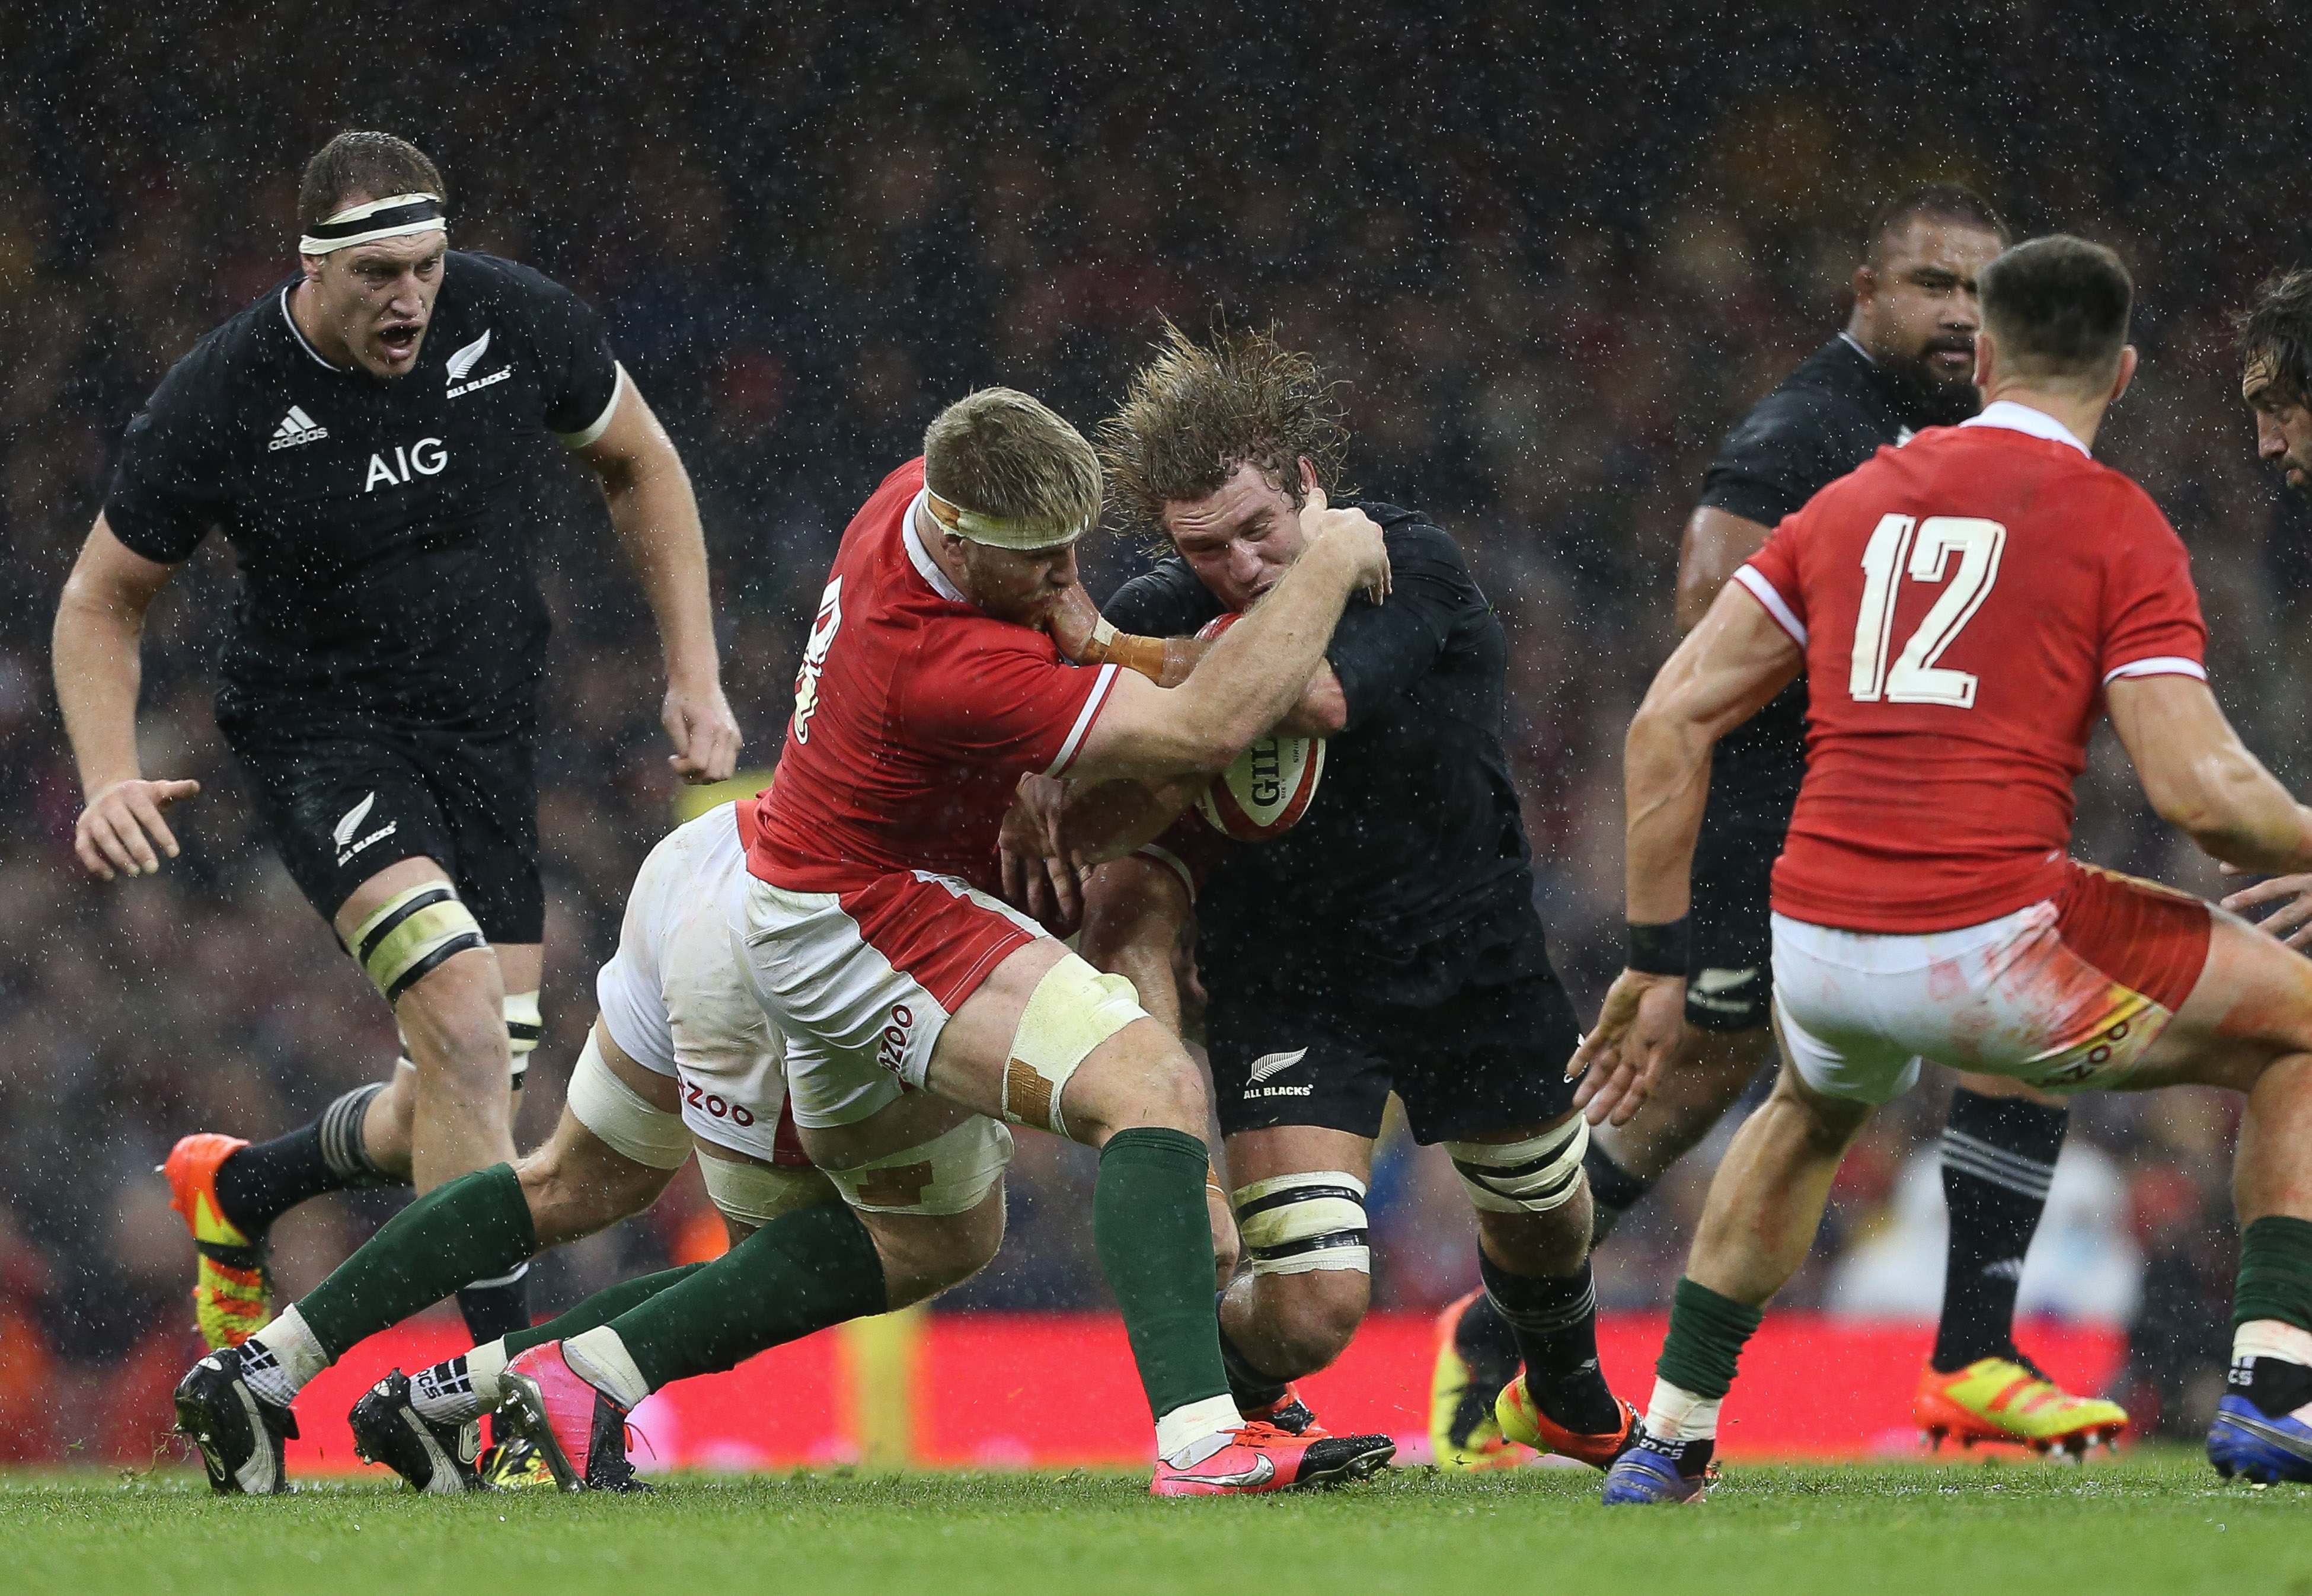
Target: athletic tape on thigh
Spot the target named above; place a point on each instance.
(1074, 1010)
(1293, 1224)
(949, 1175)
(525, 1024)
(1526, 1177)
(757, 1193)
(411, 933)
(621, 1116)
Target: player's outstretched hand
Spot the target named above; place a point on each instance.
(705, 733)
(1321, 522)
(1038, 878)
(122, 825)
(2291, 923)
(1623, 1056)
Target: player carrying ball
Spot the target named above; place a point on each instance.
(1965, 607)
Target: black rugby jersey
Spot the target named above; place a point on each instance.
(1410, 875)
(382, 527)
(1827, 417)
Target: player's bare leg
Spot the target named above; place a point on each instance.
(452, 1018)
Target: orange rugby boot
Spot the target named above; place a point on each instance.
(1526, 1425)
(233, 1293)
(1997, 1398)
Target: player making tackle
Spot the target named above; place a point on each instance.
(866, 933)
(1965, 607)
(365, 435)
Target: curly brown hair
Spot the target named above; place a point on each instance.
(1198, 411)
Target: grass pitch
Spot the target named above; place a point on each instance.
(2155, 1521)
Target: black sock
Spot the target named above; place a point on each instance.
(2276, 1386)
(495, 1308)
(1248, 1388)
(1690, 1458)
(1488, 1343)
(1999, 1154)
(1554, 1318)
(264, 1180)
(1614, 1191)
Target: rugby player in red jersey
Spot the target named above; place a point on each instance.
(1966, 607)
(926, 692)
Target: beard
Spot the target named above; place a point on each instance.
(1938, 400)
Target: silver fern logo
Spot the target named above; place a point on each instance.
(1269, 1064)
(342, 835)
(465, 360)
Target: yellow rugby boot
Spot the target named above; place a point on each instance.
(233, 1293)
(1462, 1432)
(1999, 1400)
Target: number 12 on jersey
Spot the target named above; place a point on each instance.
(1916, 678)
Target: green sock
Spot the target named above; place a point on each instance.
(1151, 1227)
(801, 1272)
(473, 1228)
(1706, 1336)
(2275, 1272)
(600, 1308)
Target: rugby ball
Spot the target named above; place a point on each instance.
(1268, 789)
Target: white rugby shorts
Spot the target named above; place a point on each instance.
(2064, 994)
(677, 1002)
(864, 982)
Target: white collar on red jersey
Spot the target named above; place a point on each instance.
(925, 566)
(2022, 418)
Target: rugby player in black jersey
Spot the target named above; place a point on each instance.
(1905, 362)
(1388, 942)
(368, 436)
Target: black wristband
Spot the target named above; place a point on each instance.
(1658, 949)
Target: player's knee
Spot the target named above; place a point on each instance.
(412, 934)
(1538, 1175)
(580, 1181)
(1074, 1013)
(1305, 1233)
(926, 1254)
(1313, 1317)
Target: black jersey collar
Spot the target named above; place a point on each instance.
(298, 333)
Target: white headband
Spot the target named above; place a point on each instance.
(393, 217)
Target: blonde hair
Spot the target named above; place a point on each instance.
(1008, 457)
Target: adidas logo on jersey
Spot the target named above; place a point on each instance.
(297, 428)
(466, 359)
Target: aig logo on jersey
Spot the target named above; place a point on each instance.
(424, 457)
(465, 360)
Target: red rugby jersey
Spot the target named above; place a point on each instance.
(916, 715)
(1962, 601)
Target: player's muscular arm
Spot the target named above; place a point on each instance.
(1256, 671)
(100, 632)
(2202, 780)
(1722, 674)
(1086, 638)
(657, 521)
(1134, 909)
(1717, 541)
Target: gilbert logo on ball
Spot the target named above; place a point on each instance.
(1268, 789)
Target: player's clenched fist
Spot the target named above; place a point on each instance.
(1357, 533)
(122, 825)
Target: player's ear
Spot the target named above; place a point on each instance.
(1309, 483)
(1986, 359)
(311, 264)
(2127, 361)
(1865, 283)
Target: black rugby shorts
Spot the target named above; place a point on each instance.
(1487, 1058)
(1729, 978)
(341, 805)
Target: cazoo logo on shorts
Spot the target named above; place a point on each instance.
(891, 1048)
(708, 1104)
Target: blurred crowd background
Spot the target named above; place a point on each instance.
(1551, 256)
